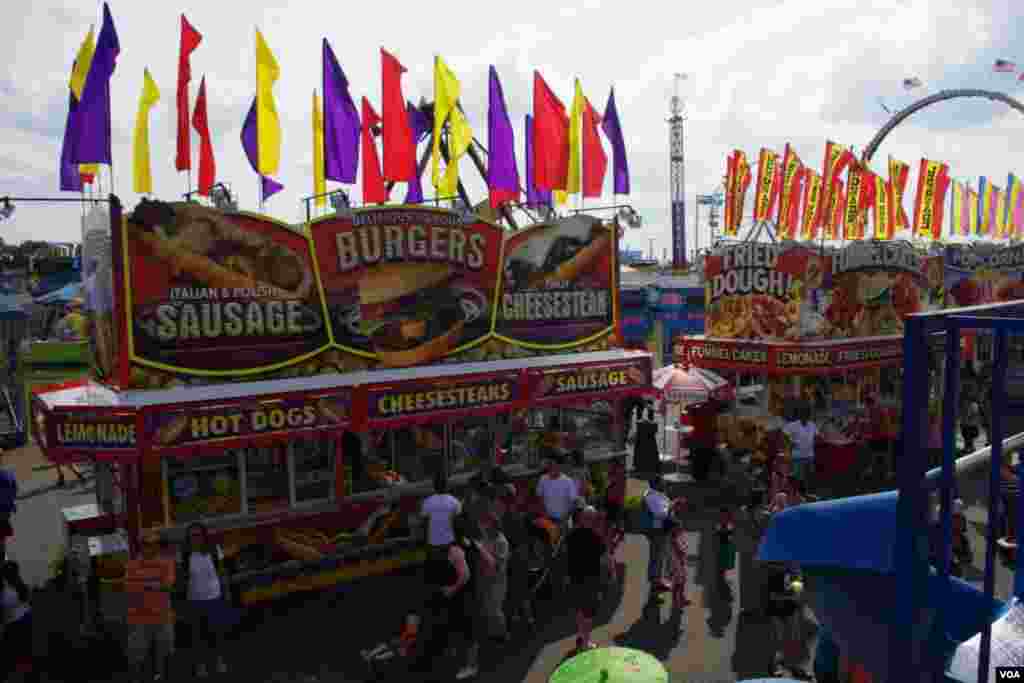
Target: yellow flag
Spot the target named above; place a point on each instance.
(83, 60)
(446, 94)
(319, 180)
(575, 140)
(143, 178)
(268, 125)
(460, 137)
(561, 197)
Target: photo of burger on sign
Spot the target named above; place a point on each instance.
(557, 287)
(216, 293)
(408, 286)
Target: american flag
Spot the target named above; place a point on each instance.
(1003, 66)
(911, 83)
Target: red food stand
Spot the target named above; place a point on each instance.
(297, 389)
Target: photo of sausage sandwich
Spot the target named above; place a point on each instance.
(557, 253)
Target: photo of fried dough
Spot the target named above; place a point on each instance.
(172, 431)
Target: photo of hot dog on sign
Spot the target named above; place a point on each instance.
(216, 293)
(557, 282)
(408, 286)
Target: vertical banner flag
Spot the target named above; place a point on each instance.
(999, 219)
(446, 104)
(884, 206)
(791, 166)
(612, 128)
(956, 208)
(837, 158)
(502, 174)
(92, 127)
(929, 180)
(72, 174)
(190, 39)
(767, 163)
(595, 161)
(142, 175)
(985, 206)
(1014, 206)
(269, 187)
(374, 191)
(341, 123)
(550, 137)
(399, 148)
(268, 125)
(574, 181)
(836, 208)
(535, 197)
(972, 209)
(812, 208)
(743, 178)
(853, 205)
(795, 203)
(420, 125)
(730, 192)
(207, 165)
(899, 172)
(319, 180)
(250, 144)
(446, 94)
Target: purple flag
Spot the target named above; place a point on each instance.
(91, 142)
(70, 180)
(613, 131)
(341, 123)
(420, 126)
(249, 137)
(270, 187)
(534, 196)
(502, 174)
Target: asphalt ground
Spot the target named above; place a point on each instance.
(318, 636)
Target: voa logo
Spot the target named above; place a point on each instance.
(1010, 673)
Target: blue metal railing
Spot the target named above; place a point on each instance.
(915, 483)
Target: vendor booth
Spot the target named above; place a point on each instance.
(812, 326)
(298, 389)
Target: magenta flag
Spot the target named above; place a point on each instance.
(502, 174)
(341, 123)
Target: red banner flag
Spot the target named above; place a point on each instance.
(399, 147)
(207, 165)
(836, 208)
(764, 197)
(737, 183)
(374, 191)
(899, 172)
(884, 209)
(837, 159)
(190, 39)
(595, 161)
(550, 138)
(789, 193)
(812, 205)
(853, 225)
(931, 190)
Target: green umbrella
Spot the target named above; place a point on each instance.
(611, 665)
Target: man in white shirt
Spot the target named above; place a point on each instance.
(802, 432)
(659, 506)
(558, 493)
(439, 509)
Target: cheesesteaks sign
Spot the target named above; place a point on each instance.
(215, 293)
(98, 432)
(592, 380)
(420, 398)
(205, 424)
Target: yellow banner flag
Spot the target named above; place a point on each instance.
(928, 180)
(812, 205)
(885, 221)
(1000, 218)
(460, 137)
(142, 175)
(852, 225)
(319, 178)
(766, 177)
(446, 94)
(899, 172)
(268, 125)
(791, 166)
(575, 140)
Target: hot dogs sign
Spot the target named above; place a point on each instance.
(789, 292)
(214, 296)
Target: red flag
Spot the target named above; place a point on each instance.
(773, 201)
(595, 161)
(399, 148)
(550, 138)
(190, 39)
(87, 178)
(374, 191)
(207, 166)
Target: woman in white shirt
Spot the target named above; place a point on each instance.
(16, 616)
(209, 615)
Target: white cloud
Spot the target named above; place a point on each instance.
(761, 73)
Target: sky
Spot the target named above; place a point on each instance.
(759, 74)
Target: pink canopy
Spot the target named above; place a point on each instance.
(684, 385)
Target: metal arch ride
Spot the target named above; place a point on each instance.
(941, 96)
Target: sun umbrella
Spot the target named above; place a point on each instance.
(679, 384)
(611, 665)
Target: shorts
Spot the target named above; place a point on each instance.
(143, 636)
(586, 595)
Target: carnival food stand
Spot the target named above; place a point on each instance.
(297, 389)
(817, 325)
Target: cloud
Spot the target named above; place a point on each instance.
(761, 73)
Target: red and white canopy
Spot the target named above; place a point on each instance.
(684, 385)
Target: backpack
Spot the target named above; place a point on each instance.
(646, 516)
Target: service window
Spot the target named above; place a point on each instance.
(418, 452)
(518, 451)
(472, 445)
(266, 478)
(201, 487)
(313, 469)
(589, 428)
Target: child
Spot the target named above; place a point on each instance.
(679, 549)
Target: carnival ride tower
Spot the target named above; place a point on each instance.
(677, 174)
